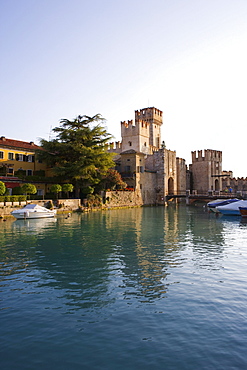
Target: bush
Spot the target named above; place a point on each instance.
(14, 198)
(94, 200)
(22, 198)
(2, 188)
(7, 198)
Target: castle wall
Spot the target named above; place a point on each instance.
(205, 168)
(181, 175)
(238, 184)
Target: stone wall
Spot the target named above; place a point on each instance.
(123, 199)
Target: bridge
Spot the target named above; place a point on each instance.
(205, 197)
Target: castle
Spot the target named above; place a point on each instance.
(155, 172)
(143, 160)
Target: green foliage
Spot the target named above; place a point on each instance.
(3, 170)
(87, 190)
(17, 190)
(21, 174)
(2, 188)
(49, 205)
(39, 173)
(67, 188)
(22, 198)
(56, 188)
(14, 198)
(94, 200)
(79, 153)
(28, 189)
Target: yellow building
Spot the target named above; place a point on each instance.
(20, 156)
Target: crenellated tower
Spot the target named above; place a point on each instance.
(206, 170)
(143, 135)
(153, 116)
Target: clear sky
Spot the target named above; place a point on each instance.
(188, 58)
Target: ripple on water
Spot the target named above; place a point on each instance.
(150, 288)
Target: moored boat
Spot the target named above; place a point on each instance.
(212, 206)
(33, 211)
(243, 211)
(232, 209)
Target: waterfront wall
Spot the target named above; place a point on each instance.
(123, 199)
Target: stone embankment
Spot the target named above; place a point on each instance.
(63, 205)
(115, 199)
(111, 199)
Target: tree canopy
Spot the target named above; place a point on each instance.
(56, 188)
(2, 188)
(78, 154)
(29, 189)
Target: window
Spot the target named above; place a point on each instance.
(1, 155)
(10, 171)
(130, 143)
(127, 168)
(29, 172)
(19, 157)
(30, 158)
(11, 156)
(40, 192)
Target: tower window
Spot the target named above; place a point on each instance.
(130, 143)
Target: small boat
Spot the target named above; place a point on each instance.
(243, 211)
(212, 206)
(33, 211)
(232, 209)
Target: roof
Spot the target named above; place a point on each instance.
(130, 151)
(11, 143)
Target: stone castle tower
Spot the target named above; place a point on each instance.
(206, 170)
(144, 135)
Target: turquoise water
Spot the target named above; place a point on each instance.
(142, 288)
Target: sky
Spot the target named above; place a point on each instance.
(188, 58)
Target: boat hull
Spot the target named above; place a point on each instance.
(32, 215)
(33, 211)
(243, 211)
(232, 209)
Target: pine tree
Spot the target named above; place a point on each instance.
(78, 154)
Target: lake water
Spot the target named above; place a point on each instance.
(141, 288)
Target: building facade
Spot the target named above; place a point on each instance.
(20, 157)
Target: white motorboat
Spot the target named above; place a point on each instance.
(33, 211)
(232, 209)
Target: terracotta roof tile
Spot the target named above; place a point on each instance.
(4, 142)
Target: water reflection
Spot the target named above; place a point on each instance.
(93, 260)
